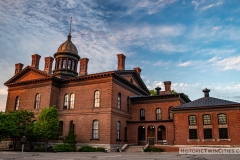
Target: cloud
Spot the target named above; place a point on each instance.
(201, 4)
(162, 63)
(212, 5)
(184, 64)
(231, 63)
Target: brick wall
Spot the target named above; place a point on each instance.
(182, 129)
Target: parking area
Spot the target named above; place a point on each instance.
(112, 155)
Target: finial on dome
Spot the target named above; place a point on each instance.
(70, 30)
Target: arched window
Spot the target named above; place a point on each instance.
(118, 130)
(158, 114)
(131, 80)
(69, 64)
(170, 112)
(97, 99)
(119, 100)
(73, 65)
(222, 126)
(37, 101)
(71, 125)
(222, 119)
(128, 106)
(64, 64)
(72, 98)
(59, 64)
(95, 129)
(142, 115)
(65, 105)
(206, 119)
(207, 132)
(60, 128)
(17, 103)
(192, 122)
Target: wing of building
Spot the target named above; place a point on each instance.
(114, 108)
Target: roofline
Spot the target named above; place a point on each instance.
(178, 95)
(237, 105)
(142, 84)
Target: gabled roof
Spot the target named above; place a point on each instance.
(161, 97)
(19, 78)
(206, 101)
(136, 76)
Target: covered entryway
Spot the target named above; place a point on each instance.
(151, 135)
(161, 134)
(141, 135)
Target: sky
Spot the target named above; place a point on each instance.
(195, 44)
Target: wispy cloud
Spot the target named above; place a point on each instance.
(204, 5)
(229, 63)
(162, 63)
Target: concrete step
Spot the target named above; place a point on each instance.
(134, 149)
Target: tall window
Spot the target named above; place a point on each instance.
(72, 98)
(59, 63)
(69, 64)
(97, 99)
(60, 128)
(192, 127)
(71, 125)
(119, 100)
(128, 106)
(222, 119)
(65, 105)
(206, 119)
(118, 130)
(142, 115)
(73, 65)
(64, 63)
(17, 103)
(158, 114)
(170, 112)
(222, 124)
(95, 130)
(37, 101)
(207, 131)
(192, 120)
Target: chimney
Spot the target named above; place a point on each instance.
(48, 64)
(167, 87)
(121, 62)
(18, 67)
(206, 92)
(35, 60)
(138, 70)
(158, 89)
(83, 66)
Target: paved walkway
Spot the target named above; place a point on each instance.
(108, 156)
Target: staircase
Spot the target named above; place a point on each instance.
(134, 149)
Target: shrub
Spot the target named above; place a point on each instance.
(87, 148)
(153, 149)
(64, 148)
(148, 149)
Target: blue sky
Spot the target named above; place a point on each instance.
(193, 43)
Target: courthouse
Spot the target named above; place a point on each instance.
(115, 107)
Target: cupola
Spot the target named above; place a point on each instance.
(66, 59)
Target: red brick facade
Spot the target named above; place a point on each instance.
(118, 101)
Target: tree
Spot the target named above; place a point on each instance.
(47, 126)
(153, 92)
(15, 124)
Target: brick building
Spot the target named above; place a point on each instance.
(115, 107)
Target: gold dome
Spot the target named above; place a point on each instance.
(68, 46)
